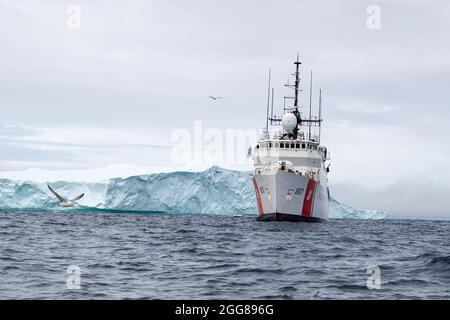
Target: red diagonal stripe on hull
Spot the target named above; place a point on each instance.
(309, 198)
(258, 198)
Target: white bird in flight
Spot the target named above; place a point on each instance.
(63, 202)
(214, 98)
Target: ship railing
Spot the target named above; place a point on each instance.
(279, 166)
(326, 153)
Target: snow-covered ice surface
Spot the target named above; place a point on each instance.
(213, 191)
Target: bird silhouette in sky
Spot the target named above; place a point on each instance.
(214, 98)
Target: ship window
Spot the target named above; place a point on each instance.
(270, 144)
(303, 146)
(297, 146)
(292, 146)
(257, 146)
(282, 145)
(287, 145)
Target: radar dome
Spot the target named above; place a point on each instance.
(289, 122)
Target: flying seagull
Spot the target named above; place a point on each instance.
(214, 98)
(63, 202)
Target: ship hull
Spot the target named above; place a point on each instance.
(287, 217)
(286, 196)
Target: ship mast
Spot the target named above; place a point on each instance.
(310, 122)
(297, 80)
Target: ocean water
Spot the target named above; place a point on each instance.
(164, 256)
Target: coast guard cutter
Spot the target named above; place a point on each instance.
(290, 164)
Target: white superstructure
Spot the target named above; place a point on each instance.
(290, 165)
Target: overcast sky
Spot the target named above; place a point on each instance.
(114, 91)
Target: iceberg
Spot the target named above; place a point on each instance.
(339, 210)
(213, 191)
